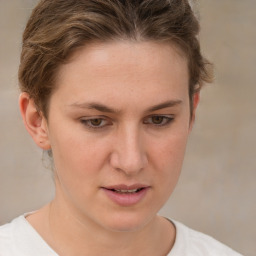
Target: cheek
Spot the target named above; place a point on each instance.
(78, 155)
(169, 152)
(168, 159)
(77, 164)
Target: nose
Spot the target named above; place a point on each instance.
(128, 154)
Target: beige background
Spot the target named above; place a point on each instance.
(216, 192)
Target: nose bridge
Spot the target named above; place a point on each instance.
(129, 149)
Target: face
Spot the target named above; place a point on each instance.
(118, 126)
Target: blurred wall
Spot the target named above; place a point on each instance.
(216, 192)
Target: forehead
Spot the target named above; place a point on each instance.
(124, 67)
(147, 54)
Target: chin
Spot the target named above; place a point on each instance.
(127, 222)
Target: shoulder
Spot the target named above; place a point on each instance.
(193, 243)
(7, 238)
(18, 238)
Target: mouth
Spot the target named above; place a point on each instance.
(124, 195)
(127, 191)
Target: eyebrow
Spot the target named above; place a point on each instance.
(103, 108)
(166, 104)
(97, 106)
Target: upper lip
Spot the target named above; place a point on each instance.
(125, 187)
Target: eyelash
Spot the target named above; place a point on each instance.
(166, 120)
(88, 123)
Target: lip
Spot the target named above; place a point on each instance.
(126, 187)
(126, 199)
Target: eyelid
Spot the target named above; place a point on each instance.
(168, 119)
(86, 122)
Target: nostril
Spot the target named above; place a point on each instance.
(128, 153)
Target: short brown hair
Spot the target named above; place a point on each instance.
(58, 27)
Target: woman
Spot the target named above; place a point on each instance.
(110, 89)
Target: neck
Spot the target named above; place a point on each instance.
(64, 231)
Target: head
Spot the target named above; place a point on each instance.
(56, 29)
(111, 89)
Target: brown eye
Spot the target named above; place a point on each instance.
(96, 122)
(157, 119)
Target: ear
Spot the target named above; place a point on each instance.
(196, 99)
(34, 121)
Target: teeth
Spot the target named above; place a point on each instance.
(126, 191)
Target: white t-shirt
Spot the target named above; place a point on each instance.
(19, 238)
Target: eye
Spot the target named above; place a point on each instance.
(159, 120)
(95, 123)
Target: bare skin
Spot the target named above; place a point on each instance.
(67, 244)
(118, 126)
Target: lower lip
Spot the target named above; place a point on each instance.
(126, 199)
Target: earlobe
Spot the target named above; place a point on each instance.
(34, 121)
(196, 99)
